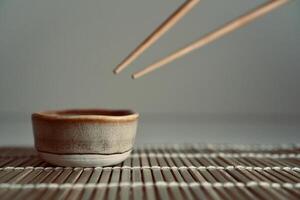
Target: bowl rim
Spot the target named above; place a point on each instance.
(74, 114)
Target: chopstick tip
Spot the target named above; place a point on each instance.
(134, 76)
(116, 71)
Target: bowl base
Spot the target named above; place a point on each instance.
(84, 160)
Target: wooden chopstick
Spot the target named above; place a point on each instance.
(227, 28)
(160, 31)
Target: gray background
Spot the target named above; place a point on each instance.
(61, 53)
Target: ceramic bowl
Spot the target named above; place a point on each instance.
(84, 138)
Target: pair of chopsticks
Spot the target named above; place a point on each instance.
(214, 35)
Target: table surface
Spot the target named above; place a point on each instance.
(160, 172)
(168, 171)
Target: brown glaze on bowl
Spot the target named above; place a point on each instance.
(101, 134)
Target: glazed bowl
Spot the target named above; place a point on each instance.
(86, 137)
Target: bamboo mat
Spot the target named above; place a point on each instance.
(160, 172)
